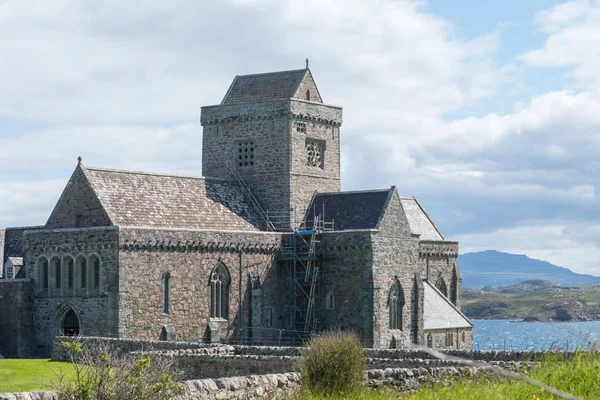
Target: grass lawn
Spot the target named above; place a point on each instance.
(25, 375)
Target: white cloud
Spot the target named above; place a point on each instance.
(574, 33)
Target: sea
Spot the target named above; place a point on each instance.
(517, 335)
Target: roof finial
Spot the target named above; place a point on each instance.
(307, 63)
(79, 160)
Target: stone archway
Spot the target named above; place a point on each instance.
(69, 325)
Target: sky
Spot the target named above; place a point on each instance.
(487, 111)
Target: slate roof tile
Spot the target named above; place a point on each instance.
(419, 221)
(350, 210)
(261, 87)
(139, 199)
(439, 312)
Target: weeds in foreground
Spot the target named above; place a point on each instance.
(101, 376)
(333, 364)
(576, 373)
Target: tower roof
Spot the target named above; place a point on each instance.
(261, 87)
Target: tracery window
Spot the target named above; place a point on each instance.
(219, 292)
(396, 304)
(314, 152)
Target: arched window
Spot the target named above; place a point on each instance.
(95, 263)
(219, 292)
(57, 272)
(396, 304)
(415, 311)
(454, 286)
(429, 341)
(441, 286)
(308, 94)
(43, 273)
(166, 287)
(330, 301)
(82, 273)
(70, 272)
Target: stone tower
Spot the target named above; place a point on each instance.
(274, 132)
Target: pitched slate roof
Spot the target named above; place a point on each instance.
(261, 87)
(439, 312)
(139, 199)
(351, 210)
(419, 220)
(13, 241)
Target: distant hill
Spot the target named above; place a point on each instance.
(494, 268)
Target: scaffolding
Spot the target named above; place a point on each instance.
(302, 251)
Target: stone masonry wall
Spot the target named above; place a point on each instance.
(16, 318)
(462, 338)
(2, 239)
(78, 205)
(308, 84)
(306, 179)
(347, 275)
(96, 308)
(190, 257)
(279, 143)
(395, 256)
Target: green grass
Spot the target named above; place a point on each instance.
(25, 375)
(579, 376)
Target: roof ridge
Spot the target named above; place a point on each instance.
(273, 72)
(355, 191)
(448, 301)
(122, 171)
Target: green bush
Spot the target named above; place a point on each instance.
(99, 375)
(333, 364)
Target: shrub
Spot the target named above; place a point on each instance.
(333, 364)
(101, 376)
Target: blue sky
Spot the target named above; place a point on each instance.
(487, 111)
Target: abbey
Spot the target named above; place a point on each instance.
(264, 248)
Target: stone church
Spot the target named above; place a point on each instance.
(264, 248)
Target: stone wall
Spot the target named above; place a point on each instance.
(279, 175)
(96, 308)
(282, 386)
(2, 239)
(395, 257)
(124, 346)
(347, 275)
(16, 318)
(190, 258)
(78, 205)
(459, 338)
